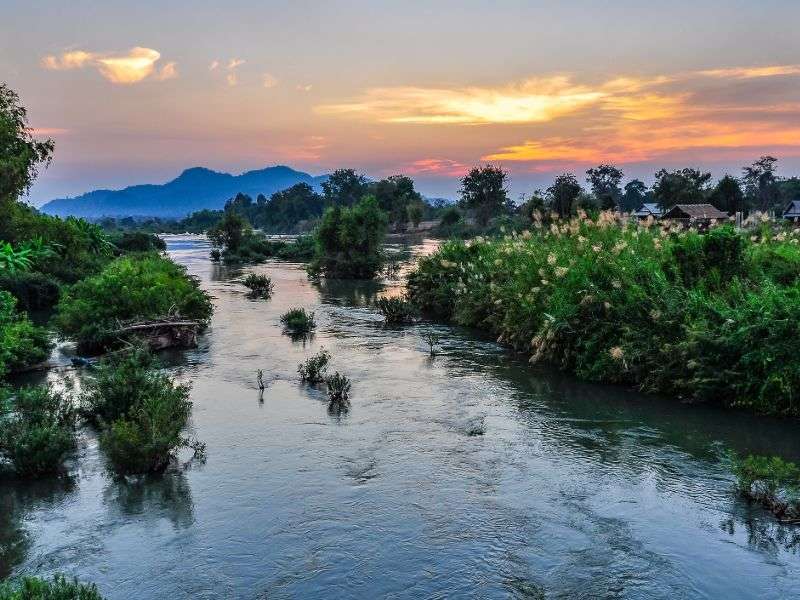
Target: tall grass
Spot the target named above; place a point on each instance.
(710, 316)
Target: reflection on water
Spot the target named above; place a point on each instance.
(573, 490)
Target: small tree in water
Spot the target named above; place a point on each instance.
(313, 369)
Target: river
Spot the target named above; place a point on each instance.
(575, 490)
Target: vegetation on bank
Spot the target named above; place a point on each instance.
(135, 287)
(57, 588)
(772, 482)
(710, 317)
(22, 344)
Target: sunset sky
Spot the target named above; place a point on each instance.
(134, 92)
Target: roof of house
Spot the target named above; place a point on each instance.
(793, 210)
(647, 209)
(695, 211)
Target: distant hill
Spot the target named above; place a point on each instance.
(195, 189)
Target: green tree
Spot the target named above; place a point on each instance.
(761, 183)
(348, 241)
(635, 195)
(604, 181)
(395, 195)
(344, 187)
(684, 186)
(563, 194)
(727, 195)
(21, 154)
(483, 190)
(228, 233)
(415, 211)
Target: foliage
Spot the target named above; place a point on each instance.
(22, 344)
(137, 241)
(727, 195)
(771, 481)
(563, 194)
(761, 183)
(289, 210)
(344, 187)
(705, 316)
(483, 190)
(636, 194)
(684, 186)
(348, 241)
(313, 370)
(298, 320)
(135, 287)
(37, 432)
(141, 410)
(33, 290)
(397, 197)
(338, 388)
(228, 234)
(20, 153)
(58, 588)
(395, 310)
(260, 286)
(604, 181)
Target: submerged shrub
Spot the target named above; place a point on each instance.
(37, 431)
(142, 412)
(260, 286)
(395, 310)
(772, 481)
(313, 369)
(338, 388)
(142, 286)
(298, 320)
(58, 588)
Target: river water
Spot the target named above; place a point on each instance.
(574, 490)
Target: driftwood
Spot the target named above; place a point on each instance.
(164, 333)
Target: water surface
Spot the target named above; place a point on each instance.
(575, 490)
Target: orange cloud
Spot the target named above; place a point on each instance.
(121, 68)
(436, 166)
(752, 72)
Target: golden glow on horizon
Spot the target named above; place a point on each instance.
(132, 67)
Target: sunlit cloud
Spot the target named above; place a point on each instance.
(304, 87)
(214, 65)
(752, 72)
(435, 166)
(133, 66)
(230, 69)
(532, 101)
(310, 148)
(48, 131)
(269, 81)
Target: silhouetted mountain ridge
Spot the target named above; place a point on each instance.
(194, 189)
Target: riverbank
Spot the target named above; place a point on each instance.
(707, 317)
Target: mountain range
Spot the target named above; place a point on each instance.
(194, 189)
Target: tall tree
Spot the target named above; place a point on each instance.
(684, 186)
(727, 195)
(563, 194)
(635, 195)
(483, 190)
(21, 154)
(344, 187)
(395, 195)
(760, 183)
(604, 181)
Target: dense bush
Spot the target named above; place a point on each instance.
(338, 388)
(22, 344)
(395, 310)
(705, 316)
(348, 241)
(37, 430)
(58, 588)
(130, 288)
(260, 286)
(772, 481)
(141, 410)
(314, 369)
(298, 320)
(137, 241)
(33, 291)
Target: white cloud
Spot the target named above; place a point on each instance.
(129, 67)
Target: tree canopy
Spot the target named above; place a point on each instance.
(483, 190)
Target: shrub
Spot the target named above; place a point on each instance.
(302, 249)
(134, 287)
(22, 344)
(772, 481)
(58, 588)
(298, 320)
(137, 241)
(694, 315)
(260, 286)
(313, 369)
(348, 241)
(142, 411)
(395, 310)
(338, 388)
(38, 431)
